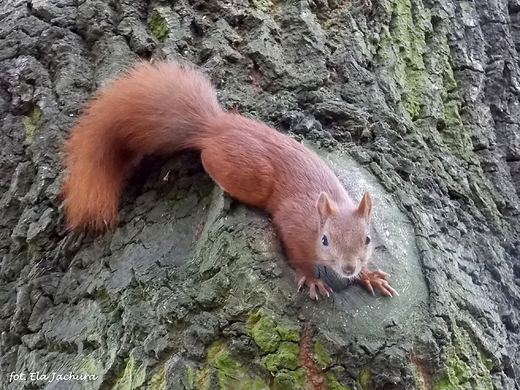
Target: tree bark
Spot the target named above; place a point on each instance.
(415, 101)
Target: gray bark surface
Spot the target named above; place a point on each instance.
(416, 101)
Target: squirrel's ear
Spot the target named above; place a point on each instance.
(365, 206)
(325, 209)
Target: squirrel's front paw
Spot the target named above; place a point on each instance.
(312, 283)
(376, 278)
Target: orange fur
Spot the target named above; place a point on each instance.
(137, 114)
(167, 107)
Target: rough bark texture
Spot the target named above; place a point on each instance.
(416, 100)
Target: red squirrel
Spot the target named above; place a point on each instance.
(166, 107)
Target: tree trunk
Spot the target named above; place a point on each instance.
(415, 101)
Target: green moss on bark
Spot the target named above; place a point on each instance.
(286, 356)
(331, 376)
(263, 5)
(230, 373)
(289, 380)
(465, 366)
(364, 377)
(157, 381)
(159, 26)
(263, 331)
(31, 123)
(268, 333)
(132, 377)
(403, 44)
(321, 357)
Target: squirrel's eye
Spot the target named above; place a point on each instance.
(368, 240)
(325, 241)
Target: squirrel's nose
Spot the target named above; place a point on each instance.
(348, 269)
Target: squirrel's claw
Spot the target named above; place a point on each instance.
(312, 284)
(376, 278)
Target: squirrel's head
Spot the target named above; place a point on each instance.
(344, 235)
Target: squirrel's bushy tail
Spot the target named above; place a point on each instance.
(160, 108)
